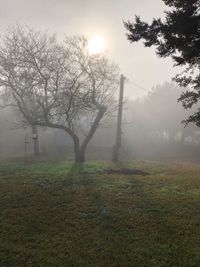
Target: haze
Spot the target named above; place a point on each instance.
(92, 17)
(99, 137)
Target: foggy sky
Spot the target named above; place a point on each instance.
(90, 17)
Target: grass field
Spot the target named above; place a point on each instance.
(56, 214)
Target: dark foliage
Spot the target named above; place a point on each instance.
(177, 36)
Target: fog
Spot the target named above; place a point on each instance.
(99, 133)
(152, 129)
(91, 17)
(151, 126)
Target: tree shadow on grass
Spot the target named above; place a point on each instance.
(83, 169)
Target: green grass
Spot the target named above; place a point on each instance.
(58, 214)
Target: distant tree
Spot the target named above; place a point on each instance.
(17, 125)
(57, 85)
(177, 36)
(155, 129)
(158, 114)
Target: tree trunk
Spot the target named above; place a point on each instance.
(79, 150)
(36, 148)
(183, 136)
(79, 153)
(80, 156)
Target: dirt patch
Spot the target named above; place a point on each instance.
(125, 171)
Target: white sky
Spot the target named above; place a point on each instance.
(91, 17)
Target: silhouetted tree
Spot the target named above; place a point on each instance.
(57, 85)
(177, 36)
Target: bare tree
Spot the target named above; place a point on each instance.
(57, 85)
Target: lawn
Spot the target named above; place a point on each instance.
(58, 214)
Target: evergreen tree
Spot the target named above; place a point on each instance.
(177, 36)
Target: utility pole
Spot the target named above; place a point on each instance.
(117, 145)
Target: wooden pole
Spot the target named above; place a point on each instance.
(117, 145)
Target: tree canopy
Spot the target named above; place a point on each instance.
(177, 36)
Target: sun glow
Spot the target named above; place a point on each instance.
(96, 45)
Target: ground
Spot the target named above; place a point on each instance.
(58, 214)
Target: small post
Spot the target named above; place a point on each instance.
(119, 121)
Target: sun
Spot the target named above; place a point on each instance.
(97, 45)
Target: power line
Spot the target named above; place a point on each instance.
(144, 89)
(139, 86)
